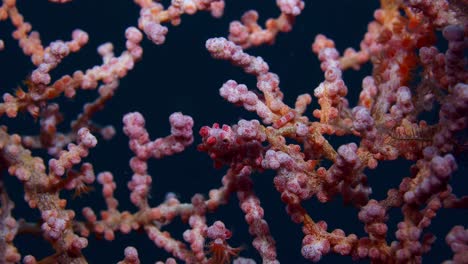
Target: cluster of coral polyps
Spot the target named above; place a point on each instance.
(410, 76)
